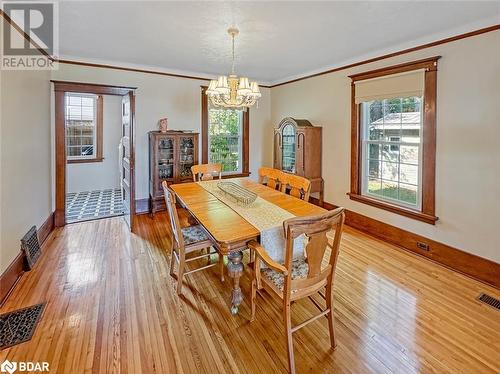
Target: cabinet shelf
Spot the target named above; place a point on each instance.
(171, 156)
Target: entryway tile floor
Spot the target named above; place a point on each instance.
(88, 205)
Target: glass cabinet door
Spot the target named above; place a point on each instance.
(186, 157)
(288, 149)
(166, 159)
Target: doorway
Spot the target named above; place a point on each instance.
(84, 190)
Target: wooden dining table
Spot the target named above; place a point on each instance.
(229, 231)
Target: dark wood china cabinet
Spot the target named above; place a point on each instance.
(297, 150)
(171, 155)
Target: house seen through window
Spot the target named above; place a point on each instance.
(225, 138)
(391, 149)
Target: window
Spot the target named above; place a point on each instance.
(225, 137)
(393, 139)
(83, 120)
(391, 150)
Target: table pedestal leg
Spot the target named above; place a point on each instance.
(235, 270)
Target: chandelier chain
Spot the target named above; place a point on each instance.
(232, 67)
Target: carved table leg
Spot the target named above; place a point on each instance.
(235, 270)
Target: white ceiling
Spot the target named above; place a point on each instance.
(278, 40)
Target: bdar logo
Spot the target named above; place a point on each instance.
(8, 367)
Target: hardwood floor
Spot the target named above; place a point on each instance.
(112, 307)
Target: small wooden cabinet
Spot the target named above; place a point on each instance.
(171, 155)
(297, 150)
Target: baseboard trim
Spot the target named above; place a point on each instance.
(142, 206)
(478, 268)
(46, 228)
(11, 276)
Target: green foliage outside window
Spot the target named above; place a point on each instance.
(224, 133)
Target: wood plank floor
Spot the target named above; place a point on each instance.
(112, 307)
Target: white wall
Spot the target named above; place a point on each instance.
(106, 174)
(179, 99)
(468, 130)
(25, 158)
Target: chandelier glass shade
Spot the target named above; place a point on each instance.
(233, 91)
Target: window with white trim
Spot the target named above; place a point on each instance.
(391, 135)
(82, 126)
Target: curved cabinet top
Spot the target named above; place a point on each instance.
(294, 122)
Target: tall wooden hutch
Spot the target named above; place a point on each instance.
(171, 155)
(297, 150)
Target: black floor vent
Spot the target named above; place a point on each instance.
(31, 246)
(490, 300)
(19, 325)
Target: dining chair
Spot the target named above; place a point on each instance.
(303, 276)
(205, 172)
(296, 186)
(186, 241)
(270, 177)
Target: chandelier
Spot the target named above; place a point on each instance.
(233, 91)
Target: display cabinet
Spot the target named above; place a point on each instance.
(297, 150)
(171, 155)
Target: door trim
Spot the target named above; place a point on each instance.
(60, 89)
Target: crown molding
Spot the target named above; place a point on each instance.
(463, 32)
(72, 60)
(385, 54)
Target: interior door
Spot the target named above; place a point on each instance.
(128, 160)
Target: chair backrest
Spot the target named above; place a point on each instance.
(315, 229)
(299, 187)
(271, 177)
(173, 216)
(205, 172)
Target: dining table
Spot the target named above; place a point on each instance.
(228, 224)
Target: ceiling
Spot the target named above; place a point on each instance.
(278, 40)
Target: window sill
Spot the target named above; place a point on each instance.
(85, 160)
(237, 175)
(420, 216)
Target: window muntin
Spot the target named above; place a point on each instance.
(225, 139)
(391, 150)
(81, 126)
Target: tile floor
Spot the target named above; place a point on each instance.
(84, 206)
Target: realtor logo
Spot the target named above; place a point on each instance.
(24, 366)
(30, 37)
(8, 367)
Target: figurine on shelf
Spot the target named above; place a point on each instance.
(162, 124)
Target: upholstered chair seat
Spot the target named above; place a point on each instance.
(299, 271)
(194, 234)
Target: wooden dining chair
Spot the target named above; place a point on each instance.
(270, 177)
(296, 186)
(186, 241)
(303, 276)
(205, 172)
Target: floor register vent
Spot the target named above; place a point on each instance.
(19, 325)
(490, 300)
(31, 247)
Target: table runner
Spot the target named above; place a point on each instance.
(266, 217)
